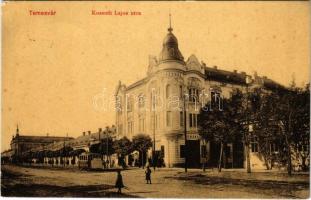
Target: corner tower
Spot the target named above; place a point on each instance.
(170, 51)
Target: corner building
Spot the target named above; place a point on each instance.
(155, 105)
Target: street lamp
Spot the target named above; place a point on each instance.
(246, 134)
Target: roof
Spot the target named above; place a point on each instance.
(224, 76)
(272, 85)
(40, 139)
(83, 139)
(170, 49)
(139, 82)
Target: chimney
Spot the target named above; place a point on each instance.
(99, 132)
(89, 132)
(83, 133)
(215, 67)
(235, 71)
(17, 130)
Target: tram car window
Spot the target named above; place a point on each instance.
(90, 161)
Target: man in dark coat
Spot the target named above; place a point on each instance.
(119, 182)
(148, 175)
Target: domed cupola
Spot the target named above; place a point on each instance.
(170, 49)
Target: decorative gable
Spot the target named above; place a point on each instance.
(152, 63)
(193, 63)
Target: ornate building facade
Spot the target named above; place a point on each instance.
(156, 105)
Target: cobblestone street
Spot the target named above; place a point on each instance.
(26, 181)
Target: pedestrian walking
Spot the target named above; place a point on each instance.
(148, 175)
(119, 182)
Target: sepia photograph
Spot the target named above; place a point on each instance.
(169, 99)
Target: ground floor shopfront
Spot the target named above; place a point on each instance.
(171, 151)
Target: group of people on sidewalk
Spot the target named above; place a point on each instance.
(119, 182)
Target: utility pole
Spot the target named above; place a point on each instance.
(107, 135)
(154, 121)
(248, 162)
(100, 144)
(64, 153)
(185, 133)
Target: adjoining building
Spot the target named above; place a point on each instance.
(24, 143)
(154, 105)
(59, 151)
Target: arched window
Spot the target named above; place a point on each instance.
(168, 91)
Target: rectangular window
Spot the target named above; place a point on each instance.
(193, 120)
(306, 148)
(274, 148)
(190, 120)
(221, 106)
(129, 105)
(180, 91)
(120, 129)
(168, 118)
(212, 99)
(216, 101)
(203, 151)
(193, 94)
(299, 147)
(254, 145)
(130, 127)
(141, 124)
(141, 101)
(162, 151)
(181, 118)
(228, 152)
(153, 102)
(182, 151)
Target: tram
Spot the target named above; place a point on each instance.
(90, 161)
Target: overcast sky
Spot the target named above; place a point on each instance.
(54, 66)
